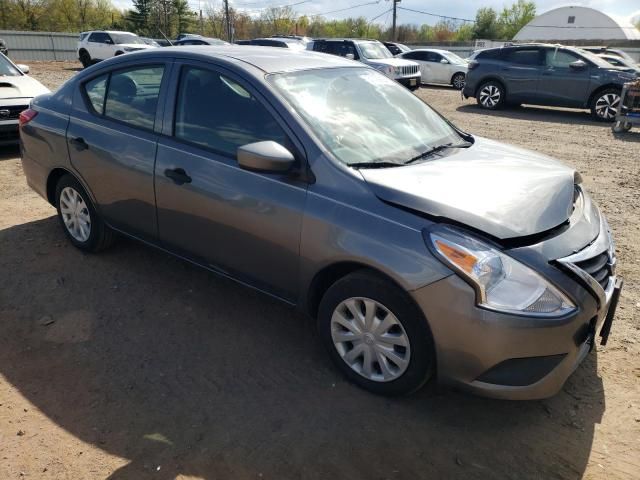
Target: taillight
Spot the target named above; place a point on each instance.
(26, 116)
(472, 64)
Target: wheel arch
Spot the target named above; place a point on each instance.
(457, 73)
(54, 177)
(490, 79)
(600, 89)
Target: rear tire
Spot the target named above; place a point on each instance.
(604, 105)
(81, 223)
(491, 95)
(85, 58)
(392, 349)
(458, 81)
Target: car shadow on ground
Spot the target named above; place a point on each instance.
(182, 372)
(538, 114)
(9, 152)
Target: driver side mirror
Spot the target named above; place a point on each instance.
(444, 61)
(266, 156)
(578, 65)
(350, 56)
(23, 68)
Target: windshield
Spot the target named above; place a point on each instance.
(362, 116)
(374, 50)
(7, 69)
(453, 58)
(126, 38)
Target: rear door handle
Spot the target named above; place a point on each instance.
(79, 143)
(178, 175)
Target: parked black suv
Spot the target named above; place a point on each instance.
(542, 74)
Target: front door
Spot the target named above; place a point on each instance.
(562, 85)
(241, 223)
(112, 144)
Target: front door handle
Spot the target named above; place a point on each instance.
(178, 175)
(79, 143)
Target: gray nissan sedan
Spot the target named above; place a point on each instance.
(424, 252)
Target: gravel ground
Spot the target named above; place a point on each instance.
(132, 364)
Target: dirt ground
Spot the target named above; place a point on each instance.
(132, 364)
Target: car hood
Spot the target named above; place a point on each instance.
(21, 86)
(395, 62)
(137, 46)
(504, 191)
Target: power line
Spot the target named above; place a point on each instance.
(345, 9)
(436, 15)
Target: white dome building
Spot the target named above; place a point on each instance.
(577, 23)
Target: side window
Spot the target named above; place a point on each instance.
(96, 90)
(132, 96)
(97, 37)
(217, 113)
(524, 56)
(560, 58)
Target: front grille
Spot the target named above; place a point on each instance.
(598, 267)
(11, 112)
(410, 70)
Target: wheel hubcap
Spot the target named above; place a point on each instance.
(370, 339)
(458, 82)
(75, 214)
(490, 96)
(607, 105)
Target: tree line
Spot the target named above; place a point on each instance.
(157, 18)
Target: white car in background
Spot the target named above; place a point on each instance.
(622, 62)
(16, 91)
(439, 66)
(100, 45)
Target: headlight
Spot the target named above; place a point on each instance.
(501, 283)
(386, 69)
(398, 70)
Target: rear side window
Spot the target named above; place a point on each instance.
(96, 90)
(524, 56)
(132, 96)
(493, 54)
(216, 112)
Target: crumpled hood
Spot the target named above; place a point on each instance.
(502, 190)
(20, 87)
(394, 62)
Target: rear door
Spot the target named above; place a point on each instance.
(421, 59)
(241, 223)
(112, 142)
(562, 85)
(521, 69)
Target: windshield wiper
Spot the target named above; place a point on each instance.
(433, 150)
(358, 165)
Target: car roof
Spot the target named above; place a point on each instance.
(267, 59)
(346, 40)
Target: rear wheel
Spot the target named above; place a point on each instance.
(604, 105)
(80, 221)
(376, 335)
(458, 81)
(85, 58)
(491, 95)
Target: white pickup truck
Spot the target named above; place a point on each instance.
(100, 45)
(374, 54)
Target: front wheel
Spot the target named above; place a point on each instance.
(604, 105)
(458, 81)
(85, 58)
(376, 335)
(491, 95)
(80, 221)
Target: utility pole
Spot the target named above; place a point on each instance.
(226, 13)
(393, 30)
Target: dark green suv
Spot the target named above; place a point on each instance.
(541, 74)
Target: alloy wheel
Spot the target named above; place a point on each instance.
(370, 339)
(75, 214)
(490, 96)
(607, 106)
(458, 82)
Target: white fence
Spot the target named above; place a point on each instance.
(40, 45)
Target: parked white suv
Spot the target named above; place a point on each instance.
(439, 66)
(374, 54)
(100, 45)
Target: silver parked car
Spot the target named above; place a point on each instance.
(423, 251)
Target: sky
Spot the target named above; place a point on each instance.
(453, 8)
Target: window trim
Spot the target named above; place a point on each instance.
(159, 115)
(301, 165)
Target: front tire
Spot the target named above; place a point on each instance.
(81, 223)
(491, 95)
(604, 105)
(458, 81)
(376, 335)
